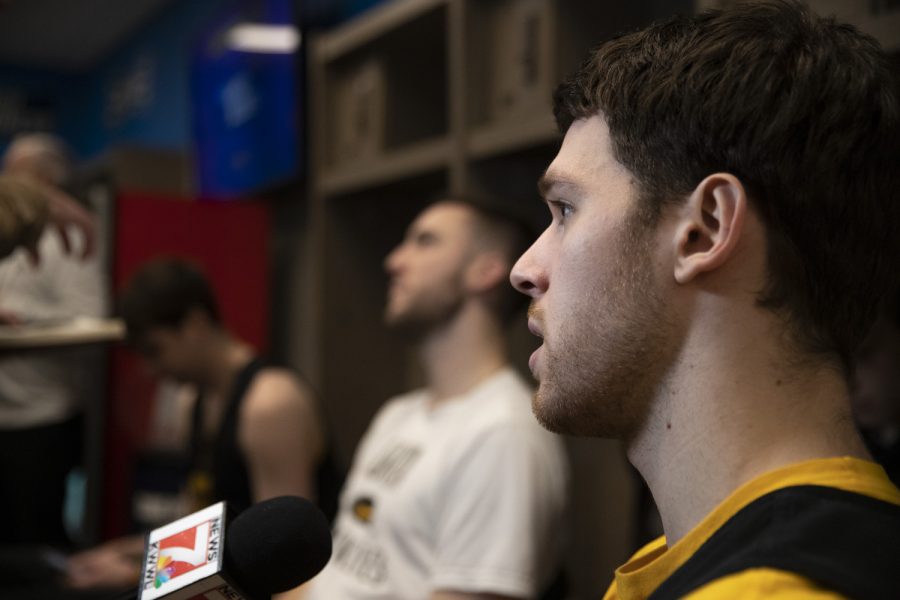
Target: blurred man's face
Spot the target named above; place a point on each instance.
(426, 270)
(170, 352)
(597, 301)
(876, 382)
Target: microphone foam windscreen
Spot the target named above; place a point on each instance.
(276, 545)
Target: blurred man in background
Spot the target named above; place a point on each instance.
(724, 226)
(454, 492)
(43, 392)
(256, 431)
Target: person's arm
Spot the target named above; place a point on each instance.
(8, 317)
(28, 205)
(115, 564)
(66, 212)
(24, 210)
(281, 436)
(282, 440)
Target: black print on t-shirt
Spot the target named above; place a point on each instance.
(391, 466)
(365, 562)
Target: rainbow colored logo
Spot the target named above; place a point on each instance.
(164, 570)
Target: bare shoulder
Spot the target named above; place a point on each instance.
(278, 390)
(281, 434)
(280, 413)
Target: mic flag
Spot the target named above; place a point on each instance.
(271, 547)
(184, 559)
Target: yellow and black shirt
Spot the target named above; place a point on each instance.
(817, 517)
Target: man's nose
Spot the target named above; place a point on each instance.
(392, 261)
(528, 275)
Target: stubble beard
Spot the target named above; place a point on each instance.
(426, 314)
(603, 368)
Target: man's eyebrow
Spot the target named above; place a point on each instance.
(552, 181)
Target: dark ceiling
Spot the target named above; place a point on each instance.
(68, 35)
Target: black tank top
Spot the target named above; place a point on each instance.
(220, 468)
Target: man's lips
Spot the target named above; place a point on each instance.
(535, 328)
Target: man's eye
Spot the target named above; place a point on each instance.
(561, 209)
(425, 239)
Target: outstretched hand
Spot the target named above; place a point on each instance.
(64, 211)
(8, 317)
(111, 565)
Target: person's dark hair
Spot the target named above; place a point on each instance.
(161, 294)
(504, 231)
(804, 111)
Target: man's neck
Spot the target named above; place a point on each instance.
(462, 353)
(225, 358)
(728, 413)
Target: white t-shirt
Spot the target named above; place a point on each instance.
(42, 387)
(466, 496)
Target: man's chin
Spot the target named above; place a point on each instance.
(407, 328)
(547, 415)
(557, 415)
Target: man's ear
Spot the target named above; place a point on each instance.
(710, 227)
(485, 271)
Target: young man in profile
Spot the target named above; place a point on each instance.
(455, 492)
(725, 218)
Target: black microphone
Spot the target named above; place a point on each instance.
(276, 545)
(271, 547)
